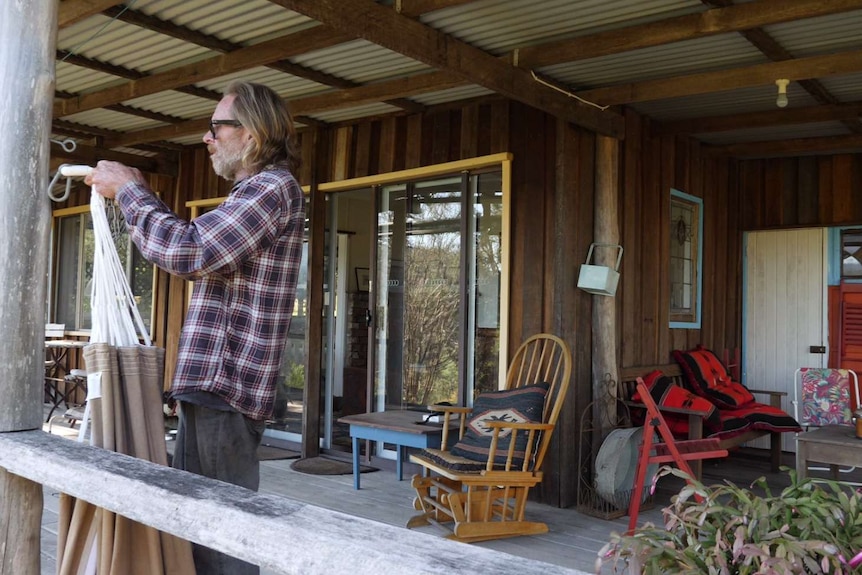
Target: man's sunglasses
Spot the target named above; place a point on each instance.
(215, 123)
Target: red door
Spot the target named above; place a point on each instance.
(850, 343)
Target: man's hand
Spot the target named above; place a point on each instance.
(108, 177)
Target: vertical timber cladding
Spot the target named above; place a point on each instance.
(805, 191)
(650, 167)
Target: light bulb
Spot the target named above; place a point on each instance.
(781, 100)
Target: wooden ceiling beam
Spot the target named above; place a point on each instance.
(257, 55)
(165, 163)
(743, 77)
(781, 117)
(794, 147)
(383, 26)
(708, 23)
(414, 8)
(72, 11)
(333, 100)
(215, 44)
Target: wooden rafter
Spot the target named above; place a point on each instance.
(415, 8)
(744, 77)
(72, 11)
(709, 23)
(786, 117)
(792, 147)
(223, 46)
(391, 30)
(258, 55)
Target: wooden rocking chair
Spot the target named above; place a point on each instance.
(484, 496)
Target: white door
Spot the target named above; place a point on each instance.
(784, 312)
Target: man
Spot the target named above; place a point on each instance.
(244, 258)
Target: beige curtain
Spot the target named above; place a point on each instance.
(128, 419)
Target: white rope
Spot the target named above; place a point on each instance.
(115, 316)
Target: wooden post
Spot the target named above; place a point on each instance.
(28, 29)
(606, 231)
(316, 209)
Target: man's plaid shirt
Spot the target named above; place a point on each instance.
(244, 257)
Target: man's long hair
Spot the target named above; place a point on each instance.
(266, 117)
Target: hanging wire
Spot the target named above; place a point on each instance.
(567, 93)
(74, 51)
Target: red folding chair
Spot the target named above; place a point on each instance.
(671, 450)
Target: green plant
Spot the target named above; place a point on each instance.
(812, 526)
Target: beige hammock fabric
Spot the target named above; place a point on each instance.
(125, 406)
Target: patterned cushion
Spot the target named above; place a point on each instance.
(732, 424)
(825, 397)
(707, 377)
(667, 394)
(764, 417)
(522, 405)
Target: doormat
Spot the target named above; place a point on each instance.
(269, 453)
(326, 466)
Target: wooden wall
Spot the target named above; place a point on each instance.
(801, 192)
(552, 226)
(651, 166)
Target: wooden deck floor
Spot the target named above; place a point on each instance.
(573, 540)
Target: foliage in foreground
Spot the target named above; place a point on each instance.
(812, 526)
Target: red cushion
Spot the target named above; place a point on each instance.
(708, 377)
(667, 394)
(764, 417)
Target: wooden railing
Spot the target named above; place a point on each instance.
(277, 533)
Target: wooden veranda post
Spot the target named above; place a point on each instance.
(27, 42)
(606, 231)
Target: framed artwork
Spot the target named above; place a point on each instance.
(363, 279)
(686, 253)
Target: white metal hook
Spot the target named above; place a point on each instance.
(68, 171)
(69, 145)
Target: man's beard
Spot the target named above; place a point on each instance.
(227, 162)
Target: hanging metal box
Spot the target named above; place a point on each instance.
(600, 280)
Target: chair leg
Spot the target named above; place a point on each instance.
(775, 451)
(432, 494)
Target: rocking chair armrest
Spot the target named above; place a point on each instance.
(448, 411)
(450, 408)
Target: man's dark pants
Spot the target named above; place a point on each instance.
(222, 445)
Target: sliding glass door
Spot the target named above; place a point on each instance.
(437, 290)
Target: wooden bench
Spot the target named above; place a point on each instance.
(628, 385)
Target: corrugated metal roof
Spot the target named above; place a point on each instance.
(754, 99)
(826, 34)
(361, 62)
(677, 59)
(501, 25)
(496, 26)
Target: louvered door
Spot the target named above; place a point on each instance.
(851, 327)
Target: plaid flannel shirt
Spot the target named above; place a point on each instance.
(244, 257)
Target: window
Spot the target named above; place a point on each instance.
(686, 252)
(73, 268)
(851, 254)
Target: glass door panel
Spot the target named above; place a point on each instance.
(486, 270)
(419, 271)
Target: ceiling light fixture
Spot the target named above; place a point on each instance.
(781, 100)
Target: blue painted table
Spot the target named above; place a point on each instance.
(400, 427)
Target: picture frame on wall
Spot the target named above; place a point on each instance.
(363, 279)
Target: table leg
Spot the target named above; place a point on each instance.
(801, 460)
(355, 463)
(400, 449)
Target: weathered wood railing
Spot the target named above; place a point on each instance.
(278, 533)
